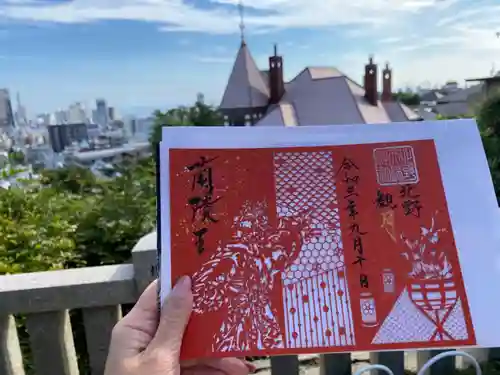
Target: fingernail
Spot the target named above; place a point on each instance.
(252, 369)
(183, 285)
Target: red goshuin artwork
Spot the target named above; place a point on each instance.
(296, 250)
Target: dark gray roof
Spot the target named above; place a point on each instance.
(326, 96)
(431, 96)
(246, 87)
(318, 95)
(461, 95)
(452, 109)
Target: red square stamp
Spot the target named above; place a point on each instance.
(395, 165)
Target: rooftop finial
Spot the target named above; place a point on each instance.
(242, 21)
(275, 49)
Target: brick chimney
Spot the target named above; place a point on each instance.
(387, 84)
(276, 82)
(371, 91)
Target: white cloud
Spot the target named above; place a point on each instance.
(456, 41)
(181, 15)
(424, 39)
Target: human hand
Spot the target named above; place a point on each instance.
(142, 346)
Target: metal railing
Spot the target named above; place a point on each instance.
(46, 298)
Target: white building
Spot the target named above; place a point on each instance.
(77, 114)
(43, 119)
(61, 116)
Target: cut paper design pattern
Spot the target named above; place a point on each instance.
(315, 293)
(396, 329)
(240, 277)
(316, 249)
(430, 295)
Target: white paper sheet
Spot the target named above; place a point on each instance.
(469, 191)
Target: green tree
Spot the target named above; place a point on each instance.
(162, 119)
(38, 230)
(488, 119)
(199, 114)
(123, 211)
(16, 157)
(408, 98)
(73, 179)
(202, 114)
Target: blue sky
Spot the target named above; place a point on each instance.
(143, 54)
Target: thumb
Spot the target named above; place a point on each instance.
(174, 318)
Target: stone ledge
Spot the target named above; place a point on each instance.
(67, 289)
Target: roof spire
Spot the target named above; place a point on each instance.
(242, 21)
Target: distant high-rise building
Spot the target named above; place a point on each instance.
(111, 114)
(61, 116)
(21, 116)
(93, 131)
(62, 136)
(6, 114)
(101, 112)
(43, 119)
(76, 114)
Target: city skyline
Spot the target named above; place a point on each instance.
(152, 54)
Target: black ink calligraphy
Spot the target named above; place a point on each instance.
(202, 201)
(411, 203)
(200, 163)
(384, 200)
(351, 180)
(200, 239)
(385, 204)
(346, 165)
(203, 206)
(363, 281)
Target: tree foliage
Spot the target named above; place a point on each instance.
(200, 114)
(488, 119)
(408, 98)
(37, 232)
(16, 157)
